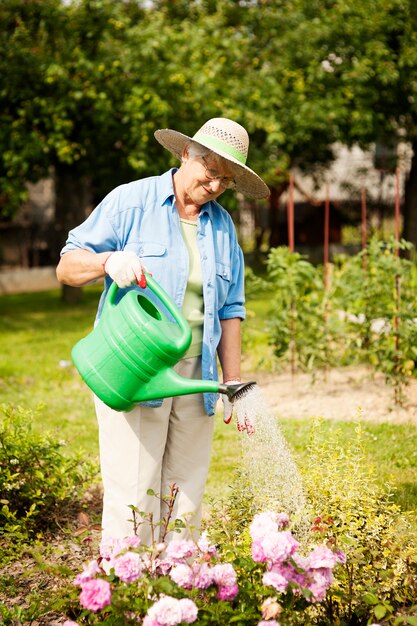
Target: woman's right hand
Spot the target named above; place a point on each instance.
(125, 268)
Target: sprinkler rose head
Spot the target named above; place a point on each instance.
(235, 391)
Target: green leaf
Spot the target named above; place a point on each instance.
(380, 611)
(370, 598)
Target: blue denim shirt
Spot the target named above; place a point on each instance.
(141, 216)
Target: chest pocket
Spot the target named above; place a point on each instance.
(151, 253)
(223, 276)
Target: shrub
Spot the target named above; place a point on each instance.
(347, 510)
(376, 293)
(297, 328)
(379, 579)
(37, 480)
(365, 315)
(188, 581)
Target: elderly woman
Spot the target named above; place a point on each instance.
(173, 227)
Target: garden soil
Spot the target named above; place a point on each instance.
(338, 394)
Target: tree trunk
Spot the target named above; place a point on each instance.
(274, 203)
(410, 201)
(72, 205)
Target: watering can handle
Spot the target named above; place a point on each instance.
(163, 297)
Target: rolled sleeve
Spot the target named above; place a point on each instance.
(234, 305)
(96, 233)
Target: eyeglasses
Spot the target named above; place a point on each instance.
(225, 181)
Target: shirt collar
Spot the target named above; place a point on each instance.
(167, 186)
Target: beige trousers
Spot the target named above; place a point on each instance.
(154, 448)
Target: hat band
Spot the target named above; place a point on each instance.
(216, 144)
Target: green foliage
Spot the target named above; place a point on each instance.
(366, 315)
(37, 480)
(68, 92)
(297, 321)
(376, 292)
(348, 511)
(86, 83)
(379, 579)
(391, 448)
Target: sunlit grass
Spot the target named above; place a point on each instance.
(37, 333)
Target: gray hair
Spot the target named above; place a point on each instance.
(197, 151)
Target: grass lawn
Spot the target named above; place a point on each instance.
(38, 331)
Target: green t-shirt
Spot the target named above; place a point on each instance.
(193, 306)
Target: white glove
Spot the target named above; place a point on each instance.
(125, 268)
(242, 421)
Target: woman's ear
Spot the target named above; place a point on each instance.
(184, 155)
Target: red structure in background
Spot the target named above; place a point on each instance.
(290, 214)
(326, 236)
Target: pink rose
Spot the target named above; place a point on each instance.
(182, 574)
(128, 567)
(270, 608)
(203, 575)
(320, 581)
(224, 574)
(322, 556)
(228, 593)
(95, 594)
(275, 580)
(283, 520)
(181, 549)
(165, 612)
(189, 610)
(110, 547)
(257, 551)
(263, 524)
(206, 547)
(279, 546)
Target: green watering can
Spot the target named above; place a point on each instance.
(129, 355)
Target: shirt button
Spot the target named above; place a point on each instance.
(140, 250)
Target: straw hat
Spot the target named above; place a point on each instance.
(227, 139)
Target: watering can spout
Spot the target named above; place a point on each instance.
(167, 383)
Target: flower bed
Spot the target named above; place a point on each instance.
(186, 581)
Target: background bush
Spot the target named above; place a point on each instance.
(38, 480)
(365, 314)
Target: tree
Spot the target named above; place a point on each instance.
(86, 84)
(66, 102)
(365, 58)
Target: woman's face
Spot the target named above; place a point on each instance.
(197, 178)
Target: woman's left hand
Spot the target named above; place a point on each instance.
(229, 408)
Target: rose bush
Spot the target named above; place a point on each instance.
(186, 581)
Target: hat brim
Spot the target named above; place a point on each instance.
(248, 183)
